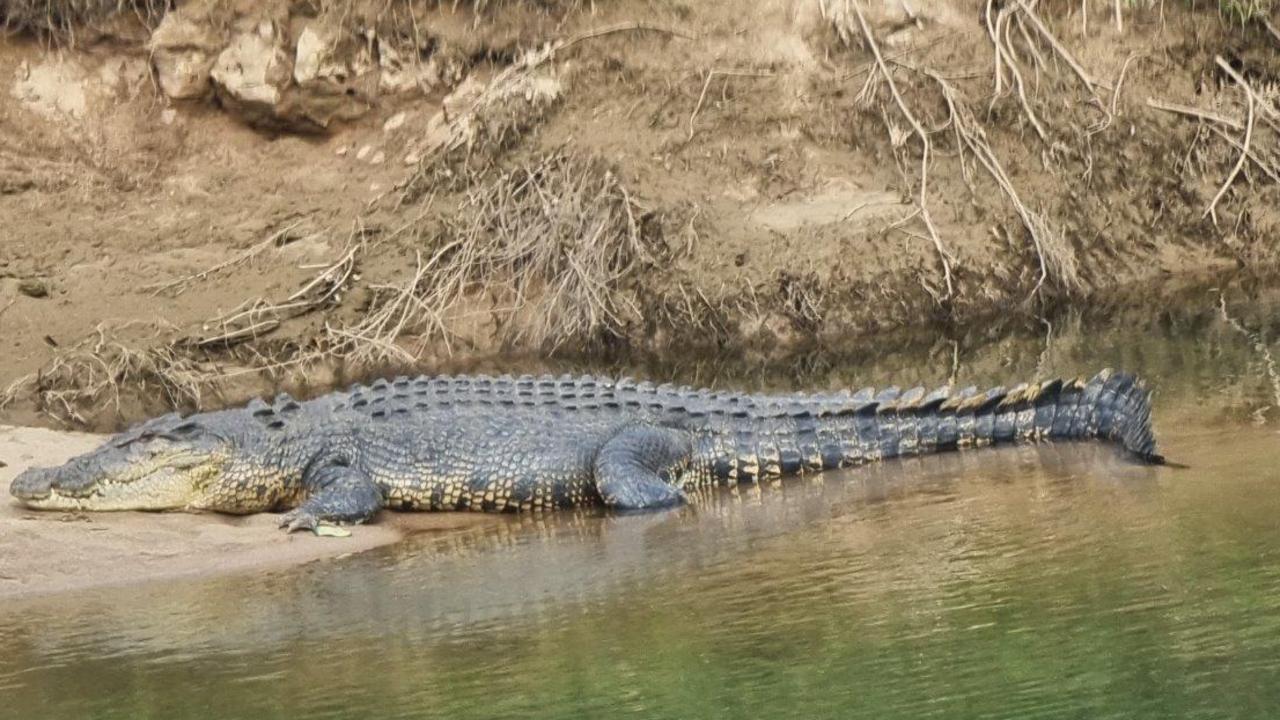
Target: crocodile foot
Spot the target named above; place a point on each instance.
(299, 519)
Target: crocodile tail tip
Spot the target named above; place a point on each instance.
(1135, 431)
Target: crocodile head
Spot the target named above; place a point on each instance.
(163, 464)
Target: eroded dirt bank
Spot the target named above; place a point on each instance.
(233, 198)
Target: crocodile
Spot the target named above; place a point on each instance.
(538, 443)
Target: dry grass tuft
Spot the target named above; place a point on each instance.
(60, 18)
(95, 372)
(566, 234)
(547, 250)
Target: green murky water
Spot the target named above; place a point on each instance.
(1043, 582)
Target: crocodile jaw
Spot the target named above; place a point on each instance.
(157, 486)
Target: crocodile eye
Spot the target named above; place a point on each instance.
(182, 432)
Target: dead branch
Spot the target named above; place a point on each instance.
(1272, 30)
(1267, 168)
(1115, 93)
(626, 27)
(90, 374)
(253, 319)
(1248, 136)
(1194, 112)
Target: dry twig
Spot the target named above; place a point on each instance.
(93, 371)
(1194, 112)
(181, 283)
(255, 318)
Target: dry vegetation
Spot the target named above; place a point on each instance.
(1031, 182)
(63, 18)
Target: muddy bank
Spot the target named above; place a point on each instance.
(46, 553)
(231, 199)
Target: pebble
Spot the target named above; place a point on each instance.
(33, 288)
(394, 121)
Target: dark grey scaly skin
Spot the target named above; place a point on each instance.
(512, 444)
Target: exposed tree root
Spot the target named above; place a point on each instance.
(1248, 136)
(1057, 260)
(944, 256)
(1263, 155)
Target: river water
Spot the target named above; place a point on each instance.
(1035, 582)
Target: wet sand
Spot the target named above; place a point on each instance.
(42, 553)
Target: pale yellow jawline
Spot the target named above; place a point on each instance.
(130, 490)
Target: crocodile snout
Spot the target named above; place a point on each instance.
(32, 484)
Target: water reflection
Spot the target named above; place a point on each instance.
(1052, 581)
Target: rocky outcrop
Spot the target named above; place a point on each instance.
(183, 50)
(300, 75)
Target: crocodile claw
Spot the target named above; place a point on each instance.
(296, 520)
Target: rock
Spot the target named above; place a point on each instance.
(33, 288)
(398, 76)
(332, 74)
(394, 122)
(378, 158)
(300, 77)
(363, 152)
(300, 89)
(326, 57)
(253, 70)
(311, 52)
(54, 89)
(183, 49)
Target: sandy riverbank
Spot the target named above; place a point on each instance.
(46, 553)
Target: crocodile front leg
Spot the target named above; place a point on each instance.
(638, 468)
(338, 494)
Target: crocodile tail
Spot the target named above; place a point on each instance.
(1122, 412)
(800, 435)
(1113, 406)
